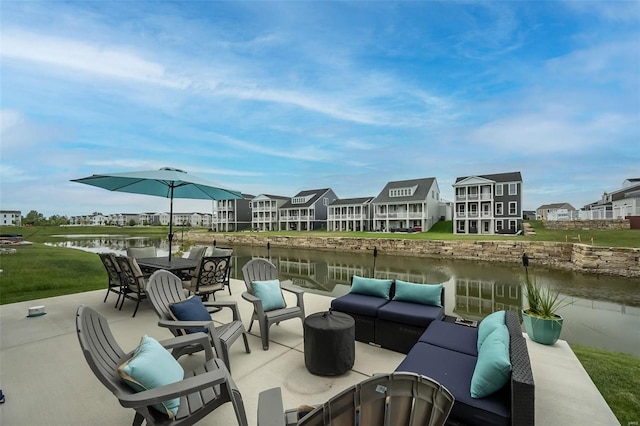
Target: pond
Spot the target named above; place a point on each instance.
(602, 311)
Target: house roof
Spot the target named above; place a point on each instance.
(423, 186)
(556, 206)
(345, 201)
(498, 177)
(273, 197)
(314, 193)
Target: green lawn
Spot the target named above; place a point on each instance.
(617, 377)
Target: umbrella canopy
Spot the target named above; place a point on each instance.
(166, 182)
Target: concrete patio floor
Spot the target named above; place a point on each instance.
(47, 381)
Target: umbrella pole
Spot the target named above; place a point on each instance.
(170, 223)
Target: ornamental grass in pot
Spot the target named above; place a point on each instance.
(540, 319)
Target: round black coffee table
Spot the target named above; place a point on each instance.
(329, 343)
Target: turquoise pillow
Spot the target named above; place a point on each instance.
(270, 294)
(150, 367)
(190, 309)
(424, 294)
(488, 324)
(493, 368)
(371, 287)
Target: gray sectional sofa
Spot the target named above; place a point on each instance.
(448, 353)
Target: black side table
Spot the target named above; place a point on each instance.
(329, 343)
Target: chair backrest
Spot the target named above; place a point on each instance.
(111, 265)
(396, 399)
(197, 252)
(141, 252)
(100, 349)
(219, 251)
(163, 289)
(130, 272)
(258, 270)
(212, 271)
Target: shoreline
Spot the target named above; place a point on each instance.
(617, 261)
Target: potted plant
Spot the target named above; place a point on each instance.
(541, 322)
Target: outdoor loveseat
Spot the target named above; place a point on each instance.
(389, 313)
(446, 352)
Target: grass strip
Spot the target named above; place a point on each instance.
(617, 377)
(41, 271)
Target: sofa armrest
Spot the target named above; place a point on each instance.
(522, 384)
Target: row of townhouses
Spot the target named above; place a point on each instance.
(485, 204)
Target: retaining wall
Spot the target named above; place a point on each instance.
(578, 257)
(587, 225)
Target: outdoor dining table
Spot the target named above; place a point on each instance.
(176, 264)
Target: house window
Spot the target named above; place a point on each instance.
(513, 189)
(325, 201)
(298, 200)
(499, 209)
(498, 225)
(461, 209)
(460, 226)
(513, 208)
(499, 190)
(512, 225)
(402, 192)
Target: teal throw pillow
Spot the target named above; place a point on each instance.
(150, 367)
(270, 294)
(493, 368)
(371, 287)
(190, 309)
(424, 294)
(488, 324)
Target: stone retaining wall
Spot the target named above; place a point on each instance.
(578, 257)
(587, 225)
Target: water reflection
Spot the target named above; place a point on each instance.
(604, 311)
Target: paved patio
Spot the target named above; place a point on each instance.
(47, 381)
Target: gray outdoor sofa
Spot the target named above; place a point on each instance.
(446, 352)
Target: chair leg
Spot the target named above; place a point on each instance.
(246, 343)
(136, 309)
(106, 295)
(138, 419)
(264, 334)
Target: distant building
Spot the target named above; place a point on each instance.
(307, 210)
(234, 215)
(488, 204)
(618, 204)
(350, 214)
(546, 211)
(407, 204)
(11, 217)
(265, 212)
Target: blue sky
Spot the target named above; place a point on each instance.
(279, 97)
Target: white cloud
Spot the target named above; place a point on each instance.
(110, 61)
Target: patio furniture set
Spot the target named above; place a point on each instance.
(450, 353)
(432, 382)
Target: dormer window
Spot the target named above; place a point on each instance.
(402, 192)
(299, 200)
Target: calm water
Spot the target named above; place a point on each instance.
(603, 311)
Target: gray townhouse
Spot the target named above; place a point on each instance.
(265, 212)
(407, 204)
(488, 204)
(233, 215)
(350, 214)
(307, 210)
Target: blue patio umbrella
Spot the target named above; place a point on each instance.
(165, 182)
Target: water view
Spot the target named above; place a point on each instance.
(602, 311)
